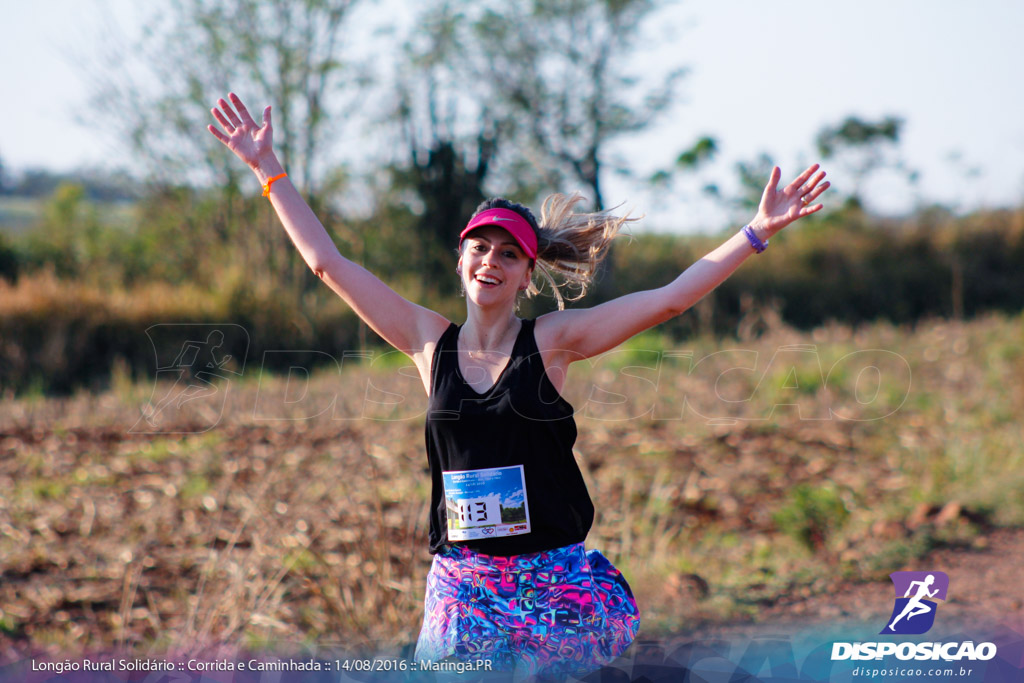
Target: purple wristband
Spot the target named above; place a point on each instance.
(757, 244)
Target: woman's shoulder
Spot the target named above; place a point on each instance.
(451, 332)
(549, 328)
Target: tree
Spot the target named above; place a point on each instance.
(752, 177)
(704, 149)
(559, 69)
(289, 54)
(864, 147)
(528, 93)
(448, 140)
(68, 236)
(285, 53)
(690, 163)
(4, 182)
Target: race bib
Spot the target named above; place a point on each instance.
(488, 503)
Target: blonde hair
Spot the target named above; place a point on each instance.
(571, 246)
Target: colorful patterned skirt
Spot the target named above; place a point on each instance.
(560, 611)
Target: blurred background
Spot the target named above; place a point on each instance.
(396, 120)
(120, 215)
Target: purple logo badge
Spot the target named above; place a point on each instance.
(916, 592)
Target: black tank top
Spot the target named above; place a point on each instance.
(521, 420)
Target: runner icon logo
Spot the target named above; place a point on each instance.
(916, 592)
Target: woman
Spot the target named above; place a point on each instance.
(510, 582)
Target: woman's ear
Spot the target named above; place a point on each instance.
(525, 284)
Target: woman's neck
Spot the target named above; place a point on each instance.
(487, 330)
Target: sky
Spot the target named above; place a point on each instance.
(763, 77)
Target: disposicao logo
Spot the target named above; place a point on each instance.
(913, 614)
(916, 592)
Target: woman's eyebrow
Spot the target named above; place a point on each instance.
(508, 243)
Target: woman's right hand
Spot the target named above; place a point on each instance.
(250, 143)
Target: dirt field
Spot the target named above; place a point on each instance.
(219, 526)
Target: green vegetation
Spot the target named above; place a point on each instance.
(254, 526)
(86, 292)
(812, 515)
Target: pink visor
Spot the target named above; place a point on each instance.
(516, 225)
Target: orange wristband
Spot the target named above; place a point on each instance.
(270, 181)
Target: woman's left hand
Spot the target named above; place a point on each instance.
(251, 142)
(779, 208)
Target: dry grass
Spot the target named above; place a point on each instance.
(229, 527)
(42, 290)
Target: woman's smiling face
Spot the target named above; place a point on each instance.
(493, 266)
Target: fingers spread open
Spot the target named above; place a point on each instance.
(816, 192)
(818, 177)
(810, 196)
(229, 113)
(222, 121)
(809, 190)
(217, 134)
(808, 210)
(243, 113)
(802, 178)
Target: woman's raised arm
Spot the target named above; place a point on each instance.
(406, 326)
(583, 333)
